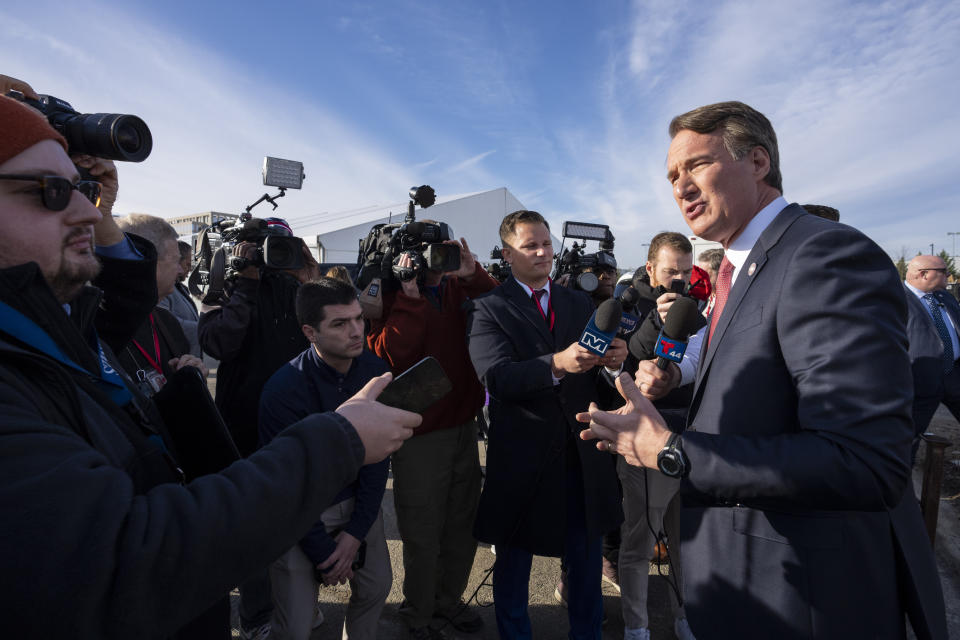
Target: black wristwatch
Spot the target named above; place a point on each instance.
(671, 461)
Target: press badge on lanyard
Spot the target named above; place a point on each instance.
(151, 381)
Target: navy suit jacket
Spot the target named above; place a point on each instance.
(799, 519)
(532, 423)
(925, 343)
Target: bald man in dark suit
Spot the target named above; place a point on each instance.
(932, 327)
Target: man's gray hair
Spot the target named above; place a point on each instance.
(156, 230)
(713, 257)
(742, 127)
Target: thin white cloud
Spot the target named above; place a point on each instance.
(655, 26)
(863, 97)
(470, 162)
(211, 124)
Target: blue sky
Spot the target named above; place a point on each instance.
(564, 103)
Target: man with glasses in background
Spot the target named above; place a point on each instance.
(932, 327)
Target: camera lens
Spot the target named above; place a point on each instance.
(283, 252)
(280, 254)
(128, 138)
(113, 136)
(588, 282)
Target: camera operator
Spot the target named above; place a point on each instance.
(252, 335)
(437, 474)
(101, 539)
(606, 281)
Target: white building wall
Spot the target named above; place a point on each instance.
(475, 217)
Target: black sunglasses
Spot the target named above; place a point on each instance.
(55, 191)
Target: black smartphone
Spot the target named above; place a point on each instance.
(417, 388)
(677, 285)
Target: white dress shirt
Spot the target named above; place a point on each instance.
(739, 250)
(544, 300)
(544, 307)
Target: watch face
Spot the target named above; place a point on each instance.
(669, 465)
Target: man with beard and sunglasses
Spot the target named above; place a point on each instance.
(100, 536)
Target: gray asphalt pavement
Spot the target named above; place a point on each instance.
(549, 618)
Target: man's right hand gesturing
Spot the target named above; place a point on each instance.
(382, 429)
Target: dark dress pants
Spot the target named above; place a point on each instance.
(511, 573)
(925, 406)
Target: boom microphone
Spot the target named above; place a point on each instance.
(681, 321)
(602, 328)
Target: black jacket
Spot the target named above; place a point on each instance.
(170, 339)
(673, 406)
(97, 540)
(252, 335)
(533, 430)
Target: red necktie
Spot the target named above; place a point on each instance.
(724, 278)
(536, 295)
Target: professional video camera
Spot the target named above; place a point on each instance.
(581, 266)
(277, 247)
(384, 245)
(499, 270)
(423, 242)
(113, 136)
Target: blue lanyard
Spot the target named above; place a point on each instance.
(26, 330)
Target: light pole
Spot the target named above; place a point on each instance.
(953, 254)
(931, 248)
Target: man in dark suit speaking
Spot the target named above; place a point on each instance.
(799, 516)
(547, 492)
(932, 327)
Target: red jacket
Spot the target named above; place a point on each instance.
(411, 329)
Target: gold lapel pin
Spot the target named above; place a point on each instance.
(752, 269)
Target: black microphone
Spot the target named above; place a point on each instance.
(629, 321)
(683, 319)
(629, 297)
(602, 327)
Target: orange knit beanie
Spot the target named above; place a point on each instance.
(21, 127)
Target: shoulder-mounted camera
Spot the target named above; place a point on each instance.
(499, 270)
(582, 267)
(422, 241)
(276, 246)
